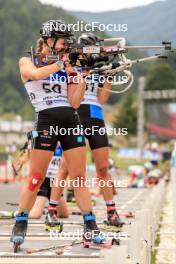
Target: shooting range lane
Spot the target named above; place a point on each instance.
(128, 200)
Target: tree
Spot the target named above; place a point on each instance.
(126, 116)
(20, 21)
(161, 77)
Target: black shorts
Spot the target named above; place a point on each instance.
(92, 120)
(45, 189)
(57, 124)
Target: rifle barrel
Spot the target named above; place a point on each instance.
(145, 47)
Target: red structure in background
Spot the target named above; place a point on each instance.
(164, 132)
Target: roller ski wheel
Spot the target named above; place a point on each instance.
(103, 245)
(93, 245)
(115, 242)
(16, 247)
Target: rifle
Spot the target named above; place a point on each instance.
(103, 59)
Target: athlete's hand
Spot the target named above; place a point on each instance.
(65, 59)
(85, 73)
(71, 71)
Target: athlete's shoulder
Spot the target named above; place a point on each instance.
(24, 60)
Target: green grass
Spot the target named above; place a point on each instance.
(123, 163)
(157, 242)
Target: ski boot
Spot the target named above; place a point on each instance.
(19, 231)
(71, 201)
(70, 196)
(52, 221)
(92, 236)
(113, 222)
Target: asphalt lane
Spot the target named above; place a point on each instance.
(127, 200)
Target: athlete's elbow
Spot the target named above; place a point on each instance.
(102, 101)
(75, 105)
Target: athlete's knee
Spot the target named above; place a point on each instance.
(35, 215)
(102, 171)
(35, 180)
(63, 214)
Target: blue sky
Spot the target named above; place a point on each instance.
(96, 6)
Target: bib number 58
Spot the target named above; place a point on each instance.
(56, 88)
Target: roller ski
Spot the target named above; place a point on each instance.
(6, 215)
(92, 237)
(52, 222)
(19, 231)
(113, 222)
(59, 249)
(128, 215)
(107, 245)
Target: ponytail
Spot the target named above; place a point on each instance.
(39, 45)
